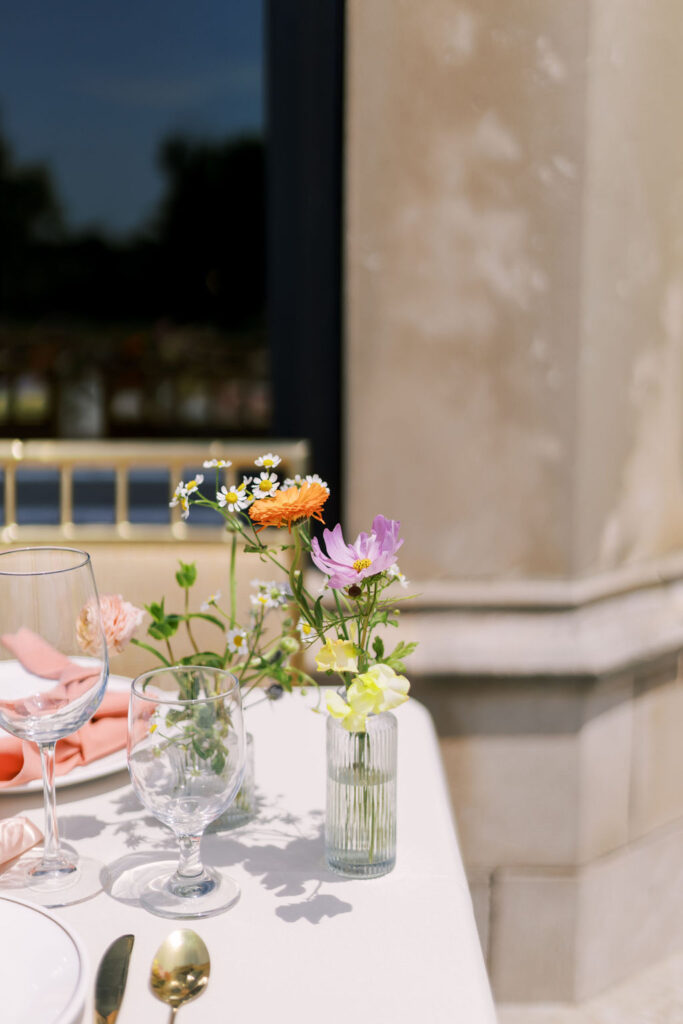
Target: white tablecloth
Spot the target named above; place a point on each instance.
(302, 944)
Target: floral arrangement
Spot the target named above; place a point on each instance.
(345, 621)
(259, 659)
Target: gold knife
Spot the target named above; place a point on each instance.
(111, 979)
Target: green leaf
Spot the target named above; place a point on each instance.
(175, 715)
(205, 716)
(152, 650)
(401, 651)
(279, 675)
(164, 628)
(208, 618)
(200, 749)
(208, 658)
(318, 614)
(218, 761)
(156, 610)
(378, 647)
(186, 575)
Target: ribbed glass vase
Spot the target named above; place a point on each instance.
(360, 821)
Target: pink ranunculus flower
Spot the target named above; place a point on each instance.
(370, 554)
(120, 619)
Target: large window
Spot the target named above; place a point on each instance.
(132, 233)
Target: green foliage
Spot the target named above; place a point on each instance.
(209, 658)
(162, 626)
(203, 615)
(186, 575)
(258, 662)
(395, 659)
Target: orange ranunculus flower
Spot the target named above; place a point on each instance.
(286, 507)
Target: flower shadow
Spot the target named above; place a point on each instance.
(293, 870)
(285, 852)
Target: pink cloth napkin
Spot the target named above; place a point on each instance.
(17, 835)
(103, 734)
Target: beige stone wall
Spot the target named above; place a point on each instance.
(514, 290)
(628, 503)
(570, 816)
(514, 394)
(465, 153)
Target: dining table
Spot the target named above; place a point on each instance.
(302, 944)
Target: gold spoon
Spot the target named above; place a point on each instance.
(180, 969)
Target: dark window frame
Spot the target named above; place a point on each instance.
(304, 197)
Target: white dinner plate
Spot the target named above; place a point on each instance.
(115, 762)
(43, 967)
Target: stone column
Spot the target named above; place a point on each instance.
(514, 318)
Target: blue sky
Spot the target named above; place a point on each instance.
(91, 86)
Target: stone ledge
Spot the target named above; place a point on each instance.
(534, 594)
(595, 639)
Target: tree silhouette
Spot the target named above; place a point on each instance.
(210, 230)
(200, 260)
(30, 217)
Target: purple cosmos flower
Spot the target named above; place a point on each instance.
(369, 555)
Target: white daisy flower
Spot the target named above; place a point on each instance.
(262, 600)
(313, 478)
(263, 585)
(293, 481)
(268, 461)
(180, 497)
(393, 572)
(210, 602)
(193, 485)
(217, 464)
(179, 493)
(265, 485)
(285, 592)
(234, 498)
(305, 630)
(237, 640)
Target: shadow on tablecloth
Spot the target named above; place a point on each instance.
(285, 852)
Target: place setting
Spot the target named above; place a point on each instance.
(179, 731)
(236, 720)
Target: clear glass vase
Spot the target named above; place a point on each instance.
(243, 807)
(360, 821)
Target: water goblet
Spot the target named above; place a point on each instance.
(53, 674)
(186, 755)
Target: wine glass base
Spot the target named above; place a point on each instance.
(52, 890)
(158, 897)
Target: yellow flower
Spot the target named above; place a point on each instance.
(338, 656)
(338, 708)
(378, 689)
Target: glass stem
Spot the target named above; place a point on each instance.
(51, 852)
(190, 862)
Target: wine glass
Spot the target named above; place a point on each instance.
(186, 755)
(53, 674)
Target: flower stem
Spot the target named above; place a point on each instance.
(187, 621)
(342, 619)
(233, 581)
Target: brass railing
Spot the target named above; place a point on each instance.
(121, 457)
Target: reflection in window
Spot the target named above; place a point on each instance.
(132, 220)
